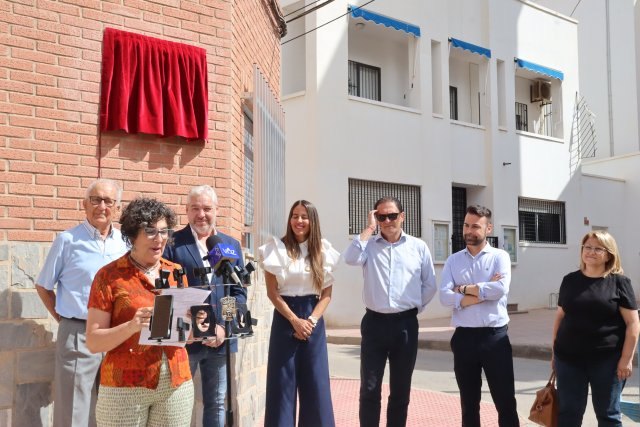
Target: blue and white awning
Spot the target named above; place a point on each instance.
(470, 47)
(358, 12)
(545, 71)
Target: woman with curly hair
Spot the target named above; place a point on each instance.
(298, 275)
(595, 334)
(140, 385)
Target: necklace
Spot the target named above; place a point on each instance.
(151, 271)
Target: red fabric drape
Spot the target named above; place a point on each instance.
(153, 86)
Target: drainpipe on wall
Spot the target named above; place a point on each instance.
(609, 95)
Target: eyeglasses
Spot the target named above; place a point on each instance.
(391, 216)
(595, 250)
(95, 201)
(152, 232)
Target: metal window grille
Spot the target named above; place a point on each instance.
(493, 241)
(364, 81)
(270, 216)
(458, 211)
(546, 124)
(541, 221)
(522, 117)
(364, 194)
(453, 102)
(248, 171)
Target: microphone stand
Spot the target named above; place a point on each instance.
(226, 279)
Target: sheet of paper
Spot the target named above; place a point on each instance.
(183, 299)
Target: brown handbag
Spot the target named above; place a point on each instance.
(545, 408)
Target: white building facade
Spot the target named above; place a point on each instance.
(447, 104)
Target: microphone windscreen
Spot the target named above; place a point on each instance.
(212, 241)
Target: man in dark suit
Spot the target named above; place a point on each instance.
(188, 249)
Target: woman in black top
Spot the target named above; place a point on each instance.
(595, 334)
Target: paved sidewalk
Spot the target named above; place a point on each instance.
(529, 332)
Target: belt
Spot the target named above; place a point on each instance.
(398, 315)
(74, 319)
(482, 329)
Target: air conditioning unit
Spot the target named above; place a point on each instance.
(540, 91)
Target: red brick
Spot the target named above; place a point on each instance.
(55, 27)
(143, 187)
(58, 7)
(73, 215)
(30, 236)
(92, 98)
(37, 190)
(93, 4)
(78, 22)
(177, 33)
(19, 98)
(78, 149)
(121, 10)
(19, 212)
(21, 178)
(165, 178)
(56, 225)
(106, 163)
(14, 131)
(89, 118)
(31, 55)
(35, 78)
(57, 114)
(14, 200)
(57, 158)
(58, 50)
(77, 128)
(31, 33)
(30, 122)
(9, 108)
(79, 64)
(181, 14)
(213, 21)
(17, 19)
(120, 175)
(56, 203)
(61, 181)
(76, 106)
(8, 40)
(16, 64)
(53, 92)
(35, 12)
(9, 153)
(12, 86)
(17, 166)
(133, 24)
(79, 42)
(198, 28)
(72, 193)
(15, 223)
(32, 145)
(92, 35)
(143, 5)
(81, 171)
(56, 136)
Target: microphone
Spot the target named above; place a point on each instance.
(220, 257)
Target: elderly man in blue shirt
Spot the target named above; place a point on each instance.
(475, 284)
(72, 262)
(399, 282)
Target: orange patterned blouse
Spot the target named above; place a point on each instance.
(120, 288)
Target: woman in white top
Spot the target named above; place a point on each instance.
(298, 276)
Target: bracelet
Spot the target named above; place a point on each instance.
(464, 290)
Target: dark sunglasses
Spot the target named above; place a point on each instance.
(391, 216)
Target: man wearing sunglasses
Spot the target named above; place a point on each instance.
(475, 284)
(188, 249)
(74, 258)
(399, 281)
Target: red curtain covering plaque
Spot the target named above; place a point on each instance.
(153, 86)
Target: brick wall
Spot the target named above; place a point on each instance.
(50, 59)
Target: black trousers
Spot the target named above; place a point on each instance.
(475, 349)
(393, 337)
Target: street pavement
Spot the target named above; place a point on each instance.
(434, 396)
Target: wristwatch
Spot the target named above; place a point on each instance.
(313, 320)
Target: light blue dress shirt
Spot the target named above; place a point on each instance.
(397, 276)
(75, 257)
(462, 268)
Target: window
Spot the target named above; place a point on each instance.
(440, 241)
(509, 242)
(364, 194)
(522, 118)
(453, 102)
(458, 212)
(541, 221)
(436, 78)
(364, 81)
(249, 189)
